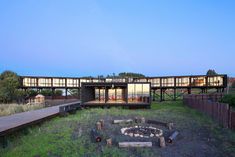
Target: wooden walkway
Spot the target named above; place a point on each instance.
(19, 120)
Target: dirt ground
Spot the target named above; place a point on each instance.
(193, 141)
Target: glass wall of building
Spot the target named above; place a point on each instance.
(140, 80)
(138, 93)
(182, 81)
(215, 81)
(72, 82)
(115, 80)
(58, 82)
(100, 95)
(84, 80)
(168, 82)
(44, 82)
(155, 82)
(30, 82)
(198, 81)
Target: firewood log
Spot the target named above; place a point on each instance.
(122, 121)
(134, 144)
(172, 137)
(98, 126)
(162, 141)
(95, 135)
(109, 142)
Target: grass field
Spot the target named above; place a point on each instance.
(70, 136)
(8, 109)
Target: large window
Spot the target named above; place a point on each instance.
(140, 80)
(84, 80)
(29, 82)
(198, 81)
(115, 80)
(138, 93)
(44, 82)
(167, 82)
(72, 82)
(58, 82)
(155, 82)
(215, 81)
(182, 81)
(100, 95)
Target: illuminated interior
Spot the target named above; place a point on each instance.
(168, 82)
(198, 81)
(155, 82)
(215, 81)
(115, 80)
(58, 82)
(72, 82)
(84, 80)
(29, 82)
(100, 95)
(182, 81)
(138, 93)
(44, 82)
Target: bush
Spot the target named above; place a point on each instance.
(229, 99)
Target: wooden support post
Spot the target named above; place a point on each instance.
(53, 93)
(66, 93)
(189, 90)
(174, 94)
(154, 93)
(170, 126)
(106, 94)
(78, 94)
(161, 94)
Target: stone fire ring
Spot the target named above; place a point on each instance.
(142, 131)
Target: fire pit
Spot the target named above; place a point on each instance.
(142, 131)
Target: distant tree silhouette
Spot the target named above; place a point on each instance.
(211, 72)
(130, 74)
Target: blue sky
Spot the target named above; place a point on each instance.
(88, 37)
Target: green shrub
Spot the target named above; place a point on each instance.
(229, 99)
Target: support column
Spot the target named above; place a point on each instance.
(66, 93)
(189, 90)
(174, 94)
(78, 94)
(53, 93)
(161, 94)
(154, 93)
(106, 94)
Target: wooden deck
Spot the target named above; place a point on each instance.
(17, 121)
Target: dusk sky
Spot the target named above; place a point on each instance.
(90, 38)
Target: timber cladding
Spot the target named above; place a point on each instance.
(219, 112)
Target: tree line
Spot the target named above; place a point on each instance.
(10, 92)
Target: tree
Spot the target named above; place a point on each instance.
(46, 92)
(211, 72)
(9, 84)
(58, 92)
(233, 84)
(130, 74)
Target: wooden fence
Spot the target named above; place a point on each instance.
(209, 105)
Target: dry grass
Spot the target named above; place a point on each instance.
(8, 109)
